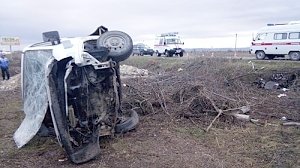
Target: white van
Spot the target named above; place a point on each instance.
(169, 44)
(73, 86)
(277, 40)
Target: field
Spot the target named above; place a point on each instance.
(187, 109)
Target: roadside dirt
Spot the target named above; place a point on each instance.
(166, 137)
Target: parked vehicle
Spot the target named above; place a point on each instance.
(73, 86)
(277, 40)
(5, 52)
(169, 44)
(142, 49)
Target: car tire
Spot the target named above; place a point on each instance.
(295, 56)
(167, 53)
(119, 44)
(129, 124)
(260, 55)
(181, 54)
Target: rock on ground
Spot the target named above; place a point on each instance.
(11, 84)
(130, 71)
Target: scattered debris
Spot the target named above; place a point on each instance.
(235, 113)
(283, 118)
(291, 124)
(250, 62)
(242, 117)
(245, 109)
(63, 159)
(285, 89)
(133, 72)
(282, 95)
(283, 81)
(254, 120)
(270, 85)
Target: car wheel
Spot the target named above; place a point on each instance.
(181, 54)
(119, 44)
(128, 124)
(167, 53)
(295, 56)
(260, 55)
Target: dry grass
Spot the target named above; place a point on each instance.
(175, 110)
(230, 83)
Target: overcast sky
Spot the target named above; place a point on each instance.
(200, 23)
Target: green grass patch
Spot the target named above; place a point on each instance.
(191, 131)
(154, 63)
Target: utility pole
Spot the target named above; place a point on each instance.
(235, 45)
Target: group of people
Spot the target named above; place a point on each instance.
(4, 64)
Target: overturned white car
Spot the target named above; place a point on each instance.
(73, 86)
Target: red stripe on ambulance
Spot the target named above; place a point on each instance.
(266, 44)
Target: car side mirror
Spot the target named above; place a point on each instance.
(51, 36)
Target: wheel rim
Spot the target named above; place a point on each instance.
(118, 43)
(295, 56)
(260, 55)
(114, 43)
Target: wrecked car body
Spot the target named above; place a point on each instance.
(73, 85)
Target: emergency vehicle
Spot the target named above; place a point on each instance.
(277, 40)
(169, 44)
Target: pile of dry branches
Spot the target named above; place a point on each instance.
(201, 88)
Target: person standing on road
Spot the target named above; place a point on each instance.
(4, 64)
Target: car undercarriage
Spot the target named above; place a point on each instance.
(81, 91)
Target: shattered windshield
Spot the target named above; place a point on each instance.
(34, 93)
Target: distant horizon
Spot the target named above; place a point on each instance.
(243, 41)
(187, 49)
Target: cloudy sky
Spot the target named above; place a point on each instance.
(200, 23)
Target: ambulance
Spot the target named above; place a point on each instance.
(277, 40)
(169, 44)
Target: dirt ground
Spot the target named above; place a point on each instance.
(173, 101)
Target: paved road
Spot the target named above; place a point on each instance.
(243, 56)
(228, 55)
